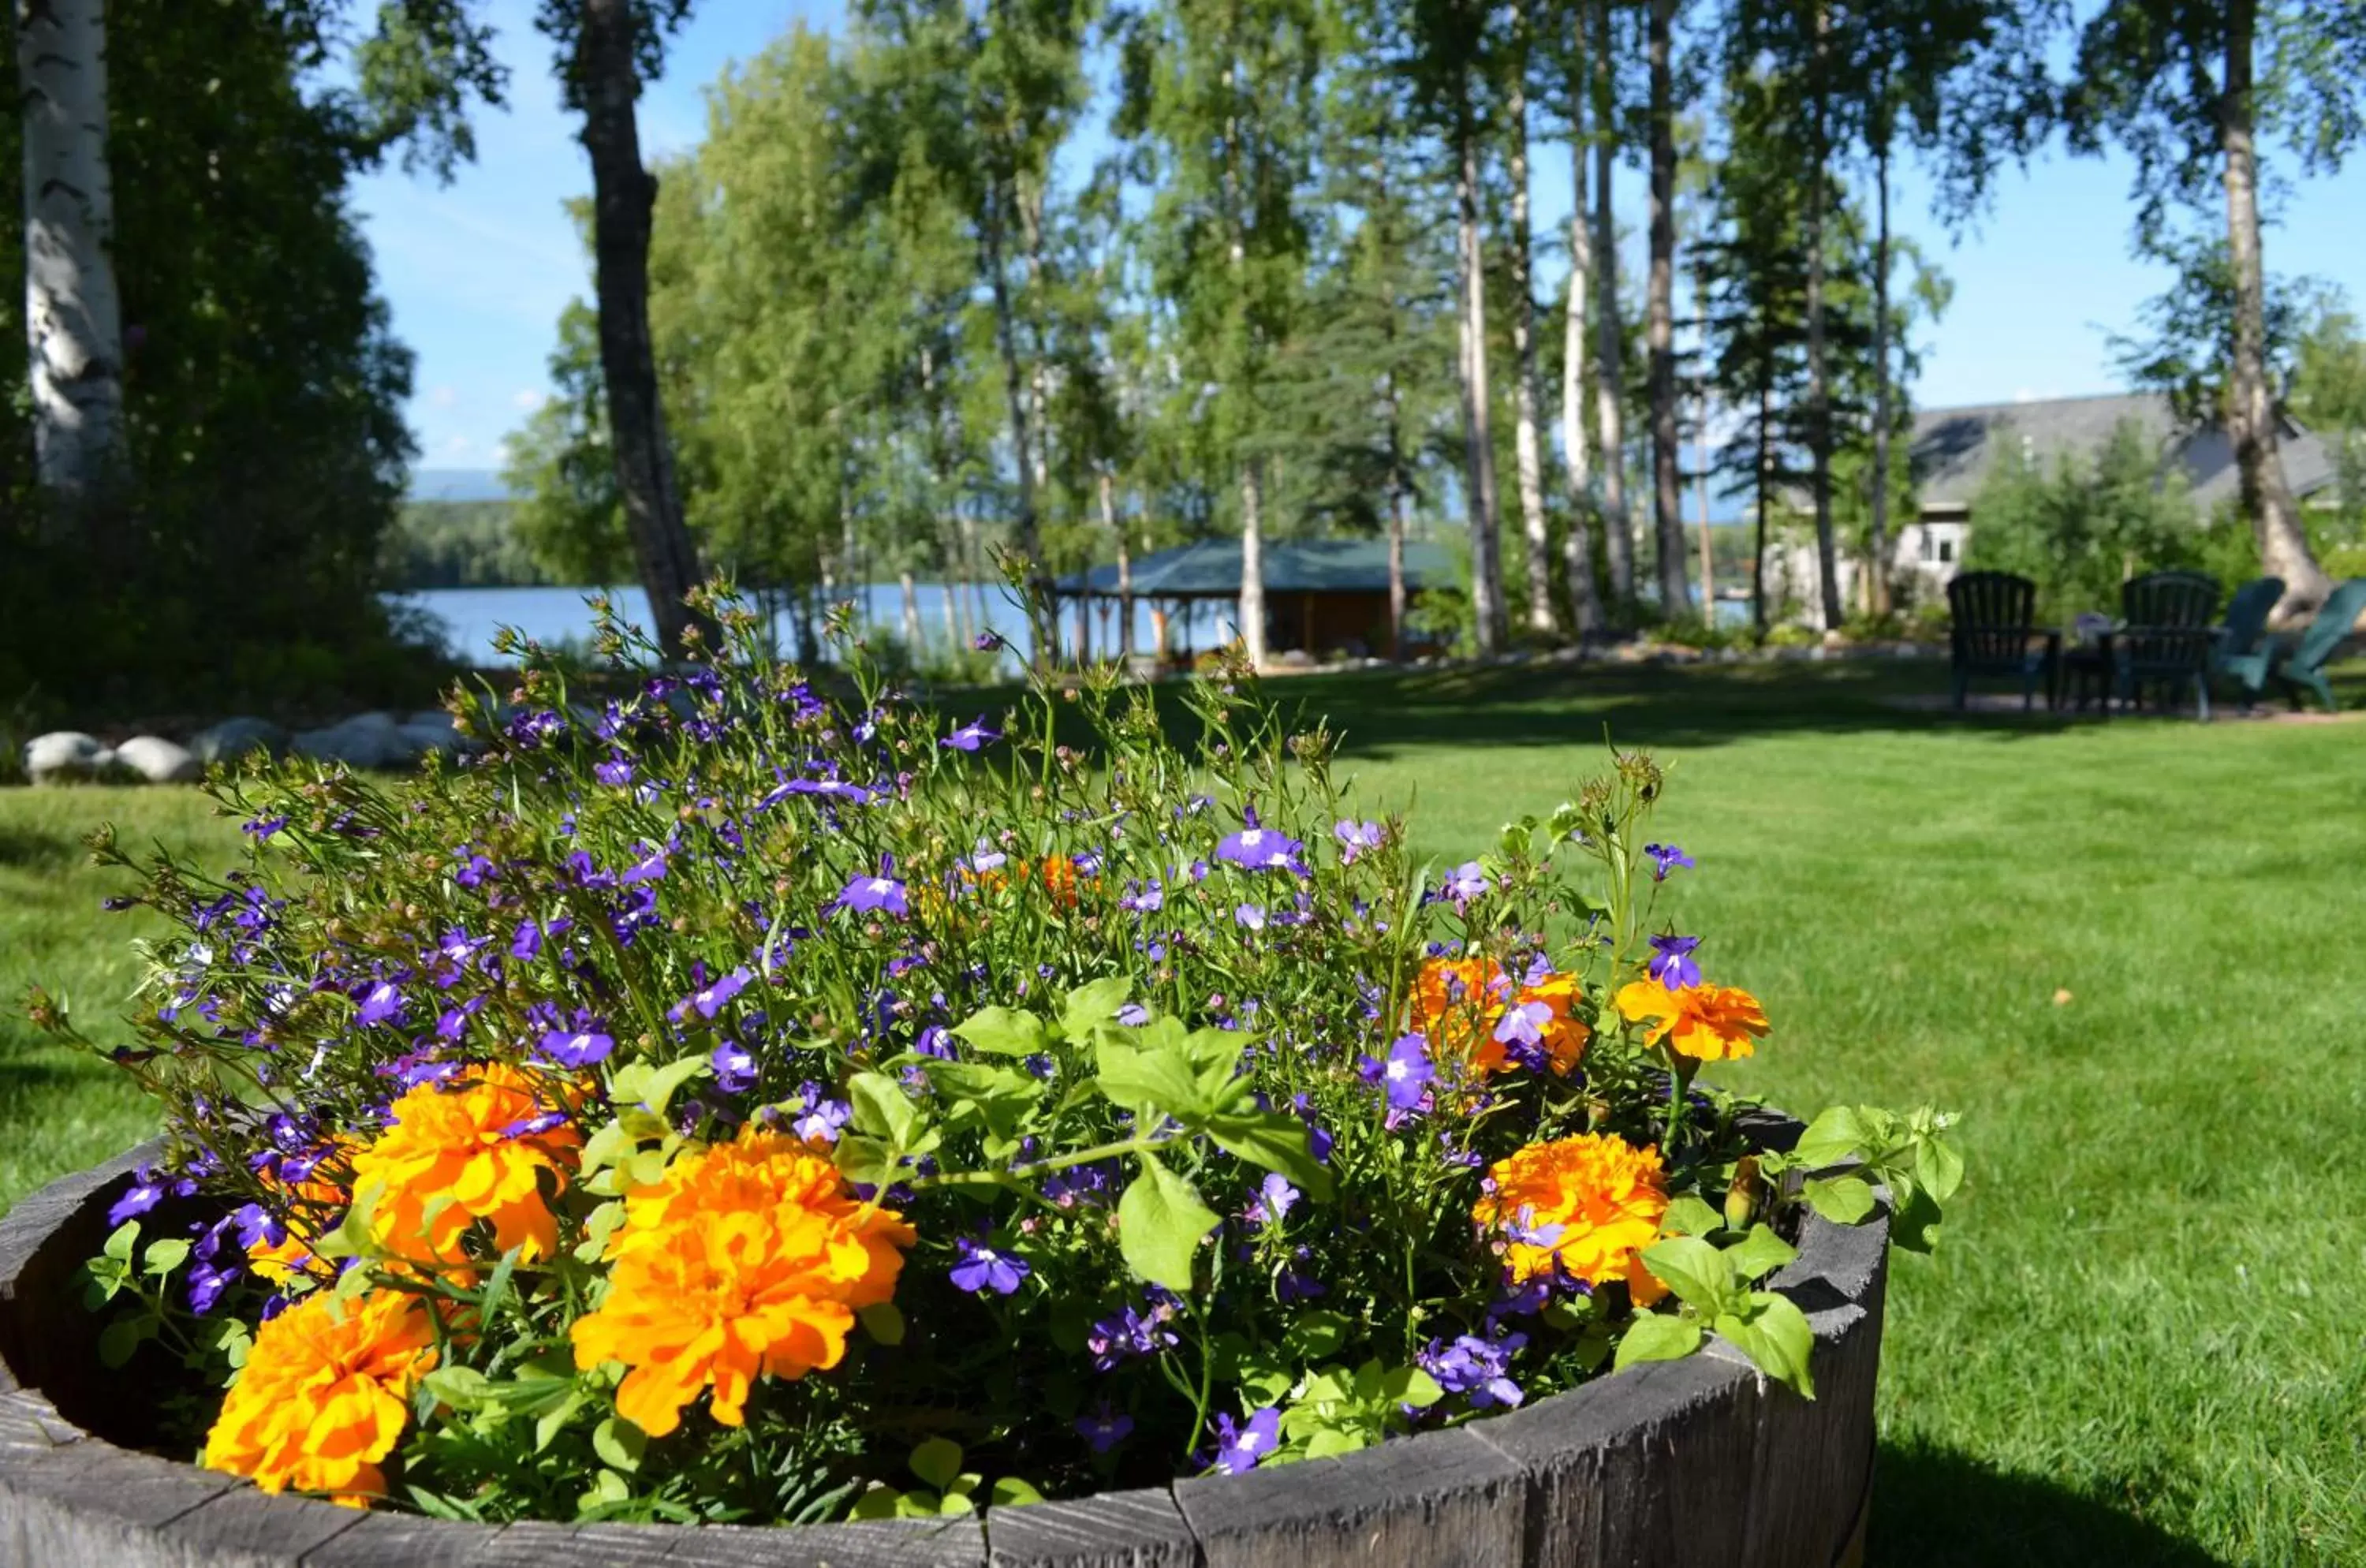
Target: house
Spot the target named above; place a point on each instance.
(1321, 595)
(1954, 450)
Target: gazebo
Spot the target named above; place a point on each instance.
(1321, 595)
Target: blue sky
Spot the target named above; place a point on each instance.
(477, 271)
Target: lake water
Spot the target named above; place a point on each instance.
(469, 617)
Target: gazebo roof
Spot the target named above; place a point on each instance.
(1210, 568)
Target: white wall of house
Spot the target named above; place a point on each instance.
(1924, 558)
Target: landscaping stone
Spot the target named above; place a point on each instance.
(159, 761)
(64, 754)
(370, 740)
(234, 737)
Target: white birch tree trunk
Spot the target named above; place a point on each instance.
(1478, 440)
(73, 325)
(1526, 450)
(1577, 545)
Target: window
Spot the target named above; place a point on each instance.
(1929, 546)
(1946, 552)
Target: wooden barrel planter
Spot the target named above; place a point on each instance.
(1699, 1462)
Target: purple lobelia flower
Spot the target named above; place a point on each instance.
(264, 826)
(1130, 1333)
(1274, 1200)
(1262, 849)
(1405, 1075)
(1251, 916)
(709, 998)
(147, 1190)
(1479, 1367)
(971, 736)
(734, 1069)
(582, 1046)
(1134, 1015)
(616, 771)
(1238, 1449)
(1671, 961)
(1145, 898)
(1523, 1023)
(1467, 882)
(1355, 838)
(1103, 1428)
(983, 1268)
(1666, 858)
(381, 1003)
(868, 894)
(820, 1118)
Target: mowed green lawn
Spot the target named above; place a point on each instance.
(2133, 955)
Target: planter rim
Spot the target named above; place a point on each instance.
(1550, 1482)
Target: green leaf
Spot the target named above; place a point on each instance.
(1316, 1336)
(547, 1427)
(1003, 1031)
(1275, 1140)
(864, 1160)
(462, 1388)
(1657, 1336)
(879, 1503)
(1160, 1221)
(1759, 1254)
(1012, 1493)
(120, 1243)
(1410, 1385)
(1091, 1005)
(882, 1109)
(1941, 1167)
(1331, 1441)
(1834, 1137)
(118, 1341)
(653, 1088)
(166, 1255)
(1843, 1200)
(937, 1461)
(883, 1321)
(619, 1443)
(1694, 1270)
(1774, 1333)
(1689, 1215)
(1157, 1079)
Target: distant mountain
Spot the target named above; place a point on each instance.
(455, 484)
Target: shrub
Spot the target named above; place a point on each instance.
(750, 1101)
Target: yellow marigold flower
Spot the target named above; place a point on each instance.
(1709, 1023)
(1590, 1202)
(746, 1258)
(477, 1152)
(323, 1395)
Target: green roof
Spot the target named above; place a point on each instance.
(1212, 569)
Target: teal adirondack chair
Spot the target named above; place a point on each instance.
(2297, 664)
(2245, 630)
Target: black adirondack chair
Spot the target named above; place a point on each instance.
(2167, 634)
(1994, 632)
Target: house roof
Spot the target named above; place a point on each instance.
(1212, 569)
(1954, 450)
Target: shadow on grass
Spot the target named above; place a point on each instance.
(1937, 1508)
(34, 850)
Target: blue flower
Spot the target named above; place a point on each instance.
(1238, 1449)
(1103, 1428)
(875, 893)
(984, 1269)
(709, 999)
(1405, 1075)
(1666, 858)
(1251, 916)
(821, 1118)
(264, 826)
(1355, 838)
(147, 1191)
(580, 1047)
(1274, 1200)
(1467, 882)
(971, 736)
(734, 1069)
(1262, 849)
(381, 1003)
(1479, 1367)
(1671, 961)
(615, 773)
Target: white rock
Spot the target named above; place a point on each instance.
(159, 761)
(357, 746)
(234, 737)
(64, 754)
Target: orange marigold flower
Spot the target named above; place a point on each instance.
(323, 1395)
(1455, 1002)
(477, 1152)
(1710, 1024)
(746, 1258)
(1590, 1203)
(1458, 1002)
